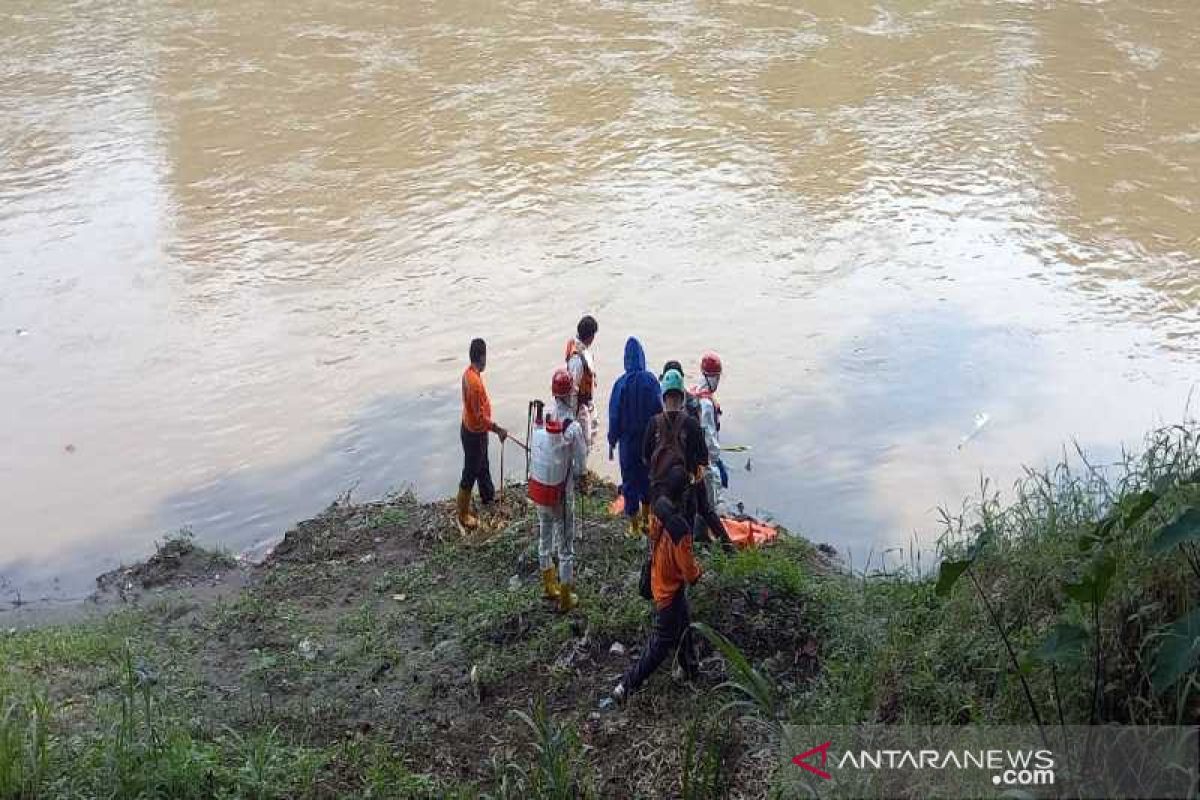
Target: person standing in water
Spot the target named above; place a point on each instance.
(476, 424)
(636, 398)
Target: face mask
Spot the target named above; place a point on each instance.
(713, 381)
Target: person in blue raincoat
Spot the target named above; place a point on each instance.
(636, 399)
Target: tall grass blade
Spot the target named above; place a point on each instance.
(743, 677)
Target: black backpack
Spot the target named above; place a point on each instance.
(668, 447)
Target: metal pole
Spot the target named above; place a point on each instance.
(582, 513)
(528, 436)
(565, 496)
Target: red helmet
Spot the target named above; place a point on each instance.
(561, 383)
(710, 363)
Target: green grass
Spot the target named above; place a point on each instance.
(390, 517)
(121, 708)
(60, 648)
(784, 568)
(137, 745)
(705, 755)
(24, 745)
(556, 771)
(900, 651)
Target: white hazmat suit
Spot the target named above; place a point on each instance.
(556, 524)
(710, 424)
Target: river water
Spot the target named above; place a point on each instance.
(244, 245)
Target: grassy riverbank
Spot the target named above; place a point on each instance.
(377, 654)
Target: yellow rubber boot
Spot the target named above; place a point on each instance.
(639, 523)
(465, 517)
(567, 599)
(549, 584)
(635, 526)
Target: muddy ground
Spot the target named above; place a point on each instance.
(381, 622)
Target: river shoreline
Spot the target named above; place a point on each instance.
(379, 620)
(240, 274)
(378, 652)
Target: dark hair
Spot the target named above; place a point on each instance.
(478, 349)
(587, 328)
(671, 365)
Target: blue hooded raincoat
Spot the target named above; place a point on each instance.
(634, 401)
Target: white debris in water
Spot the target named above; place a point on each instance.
(617, 649)
(1142, 56)
(981, 421)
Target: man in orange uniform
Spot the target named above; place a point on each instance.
(476, 424)
(673, 568)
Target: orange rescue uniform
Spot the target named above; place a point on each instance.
(477, 408)
(673, 566)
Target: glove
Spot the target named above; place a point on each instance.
(724, 474)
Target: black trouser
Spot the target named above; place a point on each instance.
(707, 520)
(672, 628)
(475, 464)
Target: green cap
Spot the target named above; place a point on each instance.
(672, 381)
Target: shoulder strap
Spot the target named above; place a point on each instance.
(675, 426)
(662, 430)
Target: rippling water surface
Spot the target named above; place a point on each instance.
(243, 246)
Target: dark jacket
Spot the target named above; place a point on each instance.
(634, 401)
(695, 451)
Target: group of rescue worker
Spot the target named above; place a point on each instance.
(667, 437)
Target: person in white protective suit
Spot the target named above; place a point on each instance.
(558, 456)
(716, 477)
(583, 377)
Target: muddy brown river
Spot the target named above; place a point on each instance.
(244, 245)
